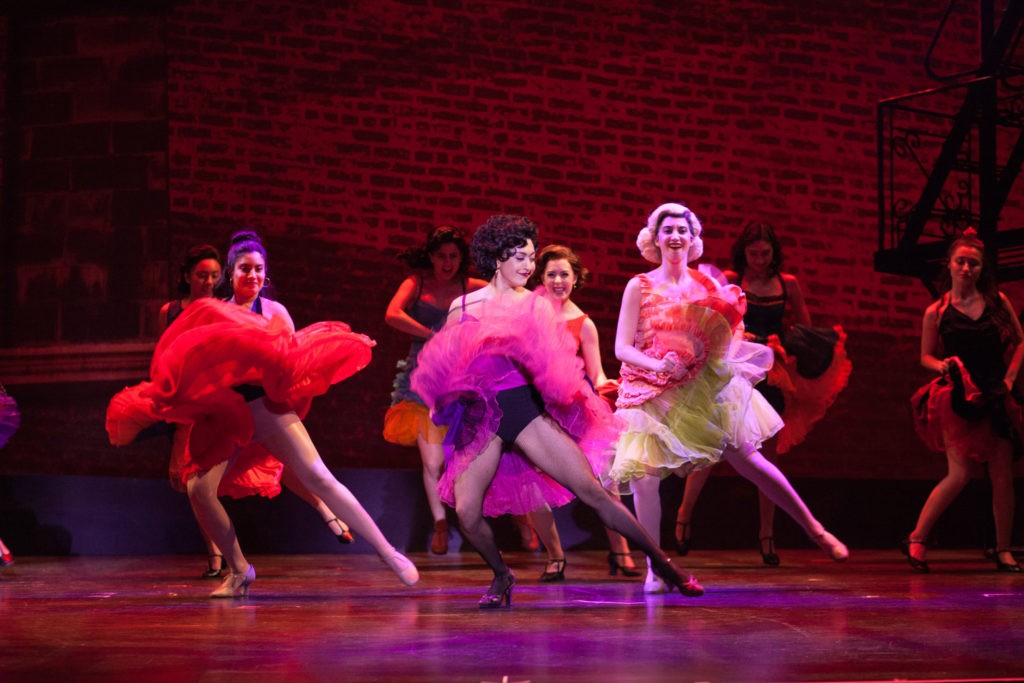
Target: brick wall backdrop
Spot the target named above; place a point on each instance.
(344, 133)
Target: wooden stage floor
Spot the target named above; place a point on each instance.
(346, 618)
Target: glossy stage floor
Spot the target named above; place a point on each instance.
(346, 618)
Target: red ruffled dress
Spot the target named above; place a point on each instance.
(210, 350)
(511, 343)
(966, 409)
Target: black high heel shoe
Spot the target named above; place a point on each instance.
(500, 592)
(345, 535)
(215, 572)
(1004, 566)
(769, 557)
(555, 574)
(614, 567)
(915, 564)
(682, 538)
(669, 574)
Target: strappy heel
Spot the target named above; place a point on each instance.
(555, 571)
(345, 535)
(614, 566)
(670, 575)
(236, 585)
(500, 592)
(215, 572)
(769, 557)
(915, 564)
(1005, 566)
(682, 538)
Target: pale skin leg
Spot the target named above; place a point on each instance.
(432, 455)
(212, 517)
(292, 483)
(543, 522)
(691, 492)
(959, 473)
(553, 451)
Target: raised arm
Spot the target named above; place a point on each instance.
(396, 315)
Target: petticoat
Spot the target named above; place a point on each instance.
(458, 371)
(214, 346)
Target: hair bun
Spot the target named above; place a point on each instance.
(245, 236)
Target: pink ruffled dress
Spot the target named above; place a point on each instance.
(508, 344)
(686, 423)
(209, 350)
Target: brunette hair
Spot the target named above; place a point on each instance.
(554, 252)
(756, 232)
(193, 256)
(419, 257)
(497, 240)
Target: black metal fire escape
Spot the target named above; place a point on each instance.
(948, 157)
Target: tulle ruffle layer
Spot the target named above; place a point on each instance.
(689, 427)
(951, 412)
(462, 368)
(810, 371)
(406, 421)
(214, 346)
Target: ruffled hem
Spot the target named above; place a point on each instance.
(808, 392)
(689, 428)
(214, 346)
(406, 421)
(936, 405)
(460, 372)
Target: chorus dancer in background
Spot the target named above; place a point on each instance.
(504, 372)
(972, 338)
(242, 378)
(809, 371)
(419, 308)
(560, 272)
(10, 420)
(686, 384)
(200, 272)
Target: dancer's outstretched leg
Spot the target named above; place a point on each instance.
(551, 449)
(286, 438)
(753, 466)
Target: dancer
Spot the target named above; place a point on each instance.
(200, 272)
(10, 420)
(561, 273)
(686, 391)
(809, 370)
(972, 338)
(419, 308)
(238, 378)
(504, 372)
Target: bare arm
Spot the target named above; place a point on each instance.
(591, 347)
(930, 340)
(162, 317)
(273, 309)
(796, 300)
(396, 315)
(1018, 353)
(625, 333)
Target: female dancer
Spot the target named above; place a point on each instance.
(686, 391)
(200, 272)
(419, 308)
(561, 274)
(809, 371)
(972, 338)
(240, 378)
(504, 373)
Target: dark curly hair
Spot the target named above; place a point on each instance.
(756, 232)
(193, 256)
(419, 257)
(554, 252)
(497, 240)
